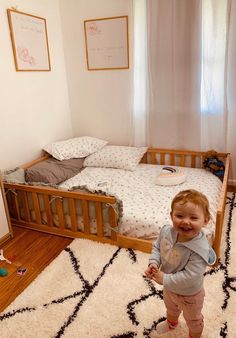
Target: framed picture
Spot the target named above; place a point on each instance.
(107, 43)
(29, 41)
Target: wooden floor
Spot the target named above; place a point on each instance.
(28, 249)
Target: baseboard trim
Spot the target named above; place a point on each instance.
(5, 238)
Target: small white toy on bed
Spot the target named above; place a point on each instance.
(170, 176)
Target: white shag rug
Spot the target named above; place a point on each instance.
(94, 290)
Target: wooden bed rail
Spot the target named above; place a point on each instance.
(161, 156)
(23, 199)
(29, 164)
(182, 158)
(221, 209)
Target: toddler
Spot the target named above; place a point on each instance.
(178, 261)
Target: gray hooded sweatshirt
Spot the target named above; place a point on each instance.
(183, 263)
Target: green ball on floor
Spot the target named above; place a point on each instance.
(3, 272)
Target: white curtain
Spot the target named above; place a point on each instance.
(140, 123)
(214, 109)
(186, 92)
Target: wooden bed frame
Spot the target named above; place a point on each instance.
(182, 158)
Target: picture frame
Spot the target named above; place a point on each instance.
(107, 43)
(29, 41)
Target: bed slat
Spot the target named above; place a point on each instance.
(162, 158)
(59, 206)
(86, 216)
(73, 218)
(16, 206)
(182, 160)
(36, 207)
(48, 211)
(23, 195)
(172, 159)
(99, 219)
(153, 158)
(193, 161)
(113, 222)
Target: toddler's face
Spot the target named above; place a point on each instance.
(188, 219)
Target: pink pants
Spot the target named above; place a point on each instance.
(190, 305)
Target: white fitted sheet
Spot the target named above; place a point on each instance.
(146, 206)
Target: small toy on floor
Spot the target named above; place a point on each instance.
(3, 272)
(2, 258)
(21, 271)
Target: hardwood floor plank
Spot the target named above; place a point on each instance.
(28, 249)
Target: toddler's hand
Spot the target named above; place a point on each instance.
(158, 277)
(151, 270)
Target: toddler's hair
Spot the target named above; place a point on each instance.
(194, 197)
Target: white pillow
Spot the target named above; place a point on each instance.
(77, 147)
(170, 176)
(119, 157)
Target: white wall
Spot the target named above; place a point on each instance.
(101, 101)
(34, 106)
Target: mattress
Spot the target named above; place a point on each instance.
(146, 205)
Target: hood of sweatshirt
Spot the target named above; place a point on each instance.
(201, 246)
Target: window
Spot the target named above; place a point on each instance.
(214, 20)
